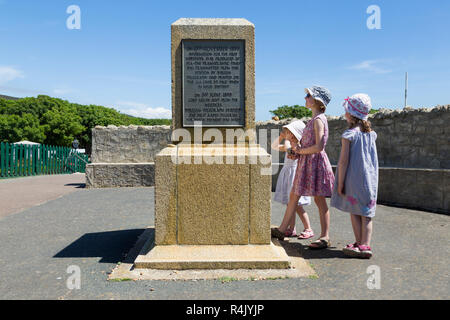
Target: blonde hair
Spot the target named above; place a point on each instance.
(286, 130)
(363, 124)
(320, 105)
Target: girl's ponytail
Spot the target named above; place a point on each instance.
(365, 125)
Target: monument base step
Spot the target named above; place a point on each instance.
(184, 257)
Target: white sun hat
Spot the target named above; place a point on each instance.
(296, 128)
(358, 105)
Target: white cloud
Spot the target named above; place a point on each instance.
(370, 65)
(8, 73)
(142, 110)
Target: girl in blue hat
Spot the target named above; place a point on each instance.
(314, 175)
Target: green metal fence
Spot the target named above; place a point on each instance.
(18, 160)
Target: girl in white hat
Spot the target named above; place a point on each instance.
(291, 133)
(356, 185)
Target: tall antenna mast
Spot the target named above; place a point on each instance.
(406, 89)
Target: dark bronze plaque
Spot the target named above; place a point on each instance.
(213, 82)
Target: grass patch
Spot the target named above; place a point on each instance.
(120, 279)
(227, 279)
(277, 278)
(313, 277)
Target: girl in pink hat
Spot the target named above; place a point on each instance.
(314, 176)
(357, 174)
(290, 134)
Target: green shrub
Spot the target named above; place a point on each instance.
(296, 111)
(54, 121)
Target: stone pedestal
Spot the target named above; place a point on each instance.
(208, 194)
(212, 209)
(212, 200)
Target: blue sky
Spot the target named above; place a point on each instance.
(121, 55)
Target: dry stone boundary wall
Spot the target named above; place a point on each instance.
(413, 152)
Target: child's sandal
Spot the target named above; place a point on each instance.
(365, 252)
(320, 244)
(306, 234)
(351, 250)
(290, 233)
(276, 233)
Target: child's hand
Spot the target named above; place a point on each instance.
(291, 156)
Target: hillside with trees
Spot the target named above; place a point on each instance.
(54, 121)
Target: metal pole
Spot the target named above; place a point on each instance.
(406, 89)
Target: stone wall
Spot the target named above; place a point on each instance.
(132, 144)
(125, 156)
(413, 152)
(408, 138)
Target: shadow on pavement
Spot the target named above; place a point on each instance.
(297, 249)
(76, 185)
(111, 246)
(328, 253)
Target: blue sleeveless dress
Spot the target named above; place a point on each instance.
(361, 178)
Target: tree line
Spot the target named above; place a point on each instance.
(54, 121)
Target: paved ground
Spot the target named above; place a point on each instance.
(94, 229)
(22, 193)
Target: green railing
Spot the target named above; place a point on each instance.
(18, 160)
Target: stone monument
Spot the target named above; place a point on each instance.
(213, 184)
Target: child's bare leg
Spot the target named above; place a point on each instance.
(324, 216)
(366, 230)
(290, 211)
(304, 217)
(357, 226)
(291, 226)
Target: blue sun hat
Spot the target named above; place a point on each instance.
(320, 93)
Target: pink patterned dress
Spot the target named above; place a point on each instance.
(314, 175)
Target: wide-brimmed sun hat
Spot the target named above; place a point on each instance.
(296, 127)
(320, 93)
(358, 105)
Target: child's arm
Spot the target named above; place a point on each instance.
(319, 131)
(342, 165)
(276, 144)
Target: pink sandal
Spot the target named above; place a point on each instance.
(290, 233)
(306, 234)
(365, 252)
(351, 250)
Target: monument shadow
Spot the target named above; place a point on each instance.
(110, 246)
